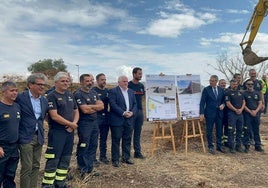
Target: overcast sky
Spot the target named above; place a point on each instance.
(114, 36)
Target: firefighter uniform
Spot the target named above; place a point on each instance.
(252, 99)
(235, 121)
(88, 131)
(9, 131)
(60, 141)
(103, 122)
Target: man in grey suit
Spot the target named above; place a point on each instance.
(31, 132)
(123, 107)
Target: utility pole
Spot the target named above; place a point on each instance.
(77, 72)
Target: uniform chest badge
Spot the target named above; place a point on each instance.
(18, 115)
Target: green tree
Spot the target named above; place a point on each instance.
(48, 66)
(229, 66)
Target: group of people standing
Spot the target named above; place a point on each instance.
(92, 110)
(235, 111)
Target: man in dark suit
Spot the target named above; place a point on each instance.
(211, 108)
(31, 132)
(123, 107)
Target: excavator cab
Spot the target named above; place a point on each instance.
(260, 11)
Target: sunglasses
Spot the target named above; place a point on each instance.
(250, 84)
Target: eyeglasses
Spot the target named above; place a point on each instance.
(250, 84)
(64, 81)
(40, 85)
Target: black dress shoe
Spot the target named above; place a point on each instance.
(138, 156)
(116, 164)
(221, 149)
(259, 149)
(127, 161)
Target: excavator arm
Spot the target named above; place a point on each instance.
(256, 19)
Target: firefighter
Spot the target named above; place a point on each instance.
(235, 102)
(9, 134)
(63, 116)
(88, 103)
(252, 112)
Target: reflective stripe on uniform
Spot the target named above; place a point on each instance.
(49, 155)
(62, 171)
(83, 145)
(60, 178)
(49, 182)
(50, 174)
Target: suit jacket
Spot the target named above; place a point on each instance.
(28, 120)
(209, 104)
(118, 107)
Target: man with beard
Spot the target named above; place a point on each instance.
(139, 92)
(89, 104)
(102, 116)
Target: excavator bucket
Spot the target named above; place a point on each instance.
(251, 58)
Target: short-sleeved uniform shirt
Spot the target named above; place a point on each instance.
(252, 99)
(138, 91)
(9, 123)
(103, 95)
(86, 98)
(235, 97)
(257, 85)
(65, 106)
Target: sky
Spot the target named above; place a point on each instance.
(113, 36)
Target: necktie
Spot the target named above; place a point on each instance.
(215, 92)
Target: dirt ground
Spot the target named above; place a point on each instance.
(165, 169)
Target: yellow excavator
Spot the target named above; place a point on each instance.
(260, 11)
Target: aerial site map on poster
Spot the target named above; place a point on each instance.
(189, 95)
(160, 97)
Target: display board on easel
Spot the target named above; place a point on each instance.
(189, 95)
(161, 97)
(161, 105)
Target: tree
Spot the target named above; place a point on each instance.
(48, 66)
(229, 66)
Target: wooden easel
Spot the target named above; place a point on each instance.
(160, 134)
(186, 135)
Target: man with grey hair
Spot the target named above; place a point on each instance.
(123, 108)
(9, 133)
(31, 131)
(211, 108)
(63, 116)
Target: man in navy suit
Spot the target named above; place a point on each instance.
(31, 132)
(123, 107)
(211, 108)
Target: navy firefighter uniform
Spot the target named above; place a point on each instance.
(9, 134)
(235, 103)
(103, 122)
(88, 131)
(253, 102)
(60, 141)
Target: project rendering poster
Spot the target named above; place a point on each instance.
(189, 95)
(161, 97)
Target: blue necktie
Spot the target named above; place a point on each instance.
(215, 92)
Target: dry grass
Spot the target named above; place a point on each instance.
(165, 169)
